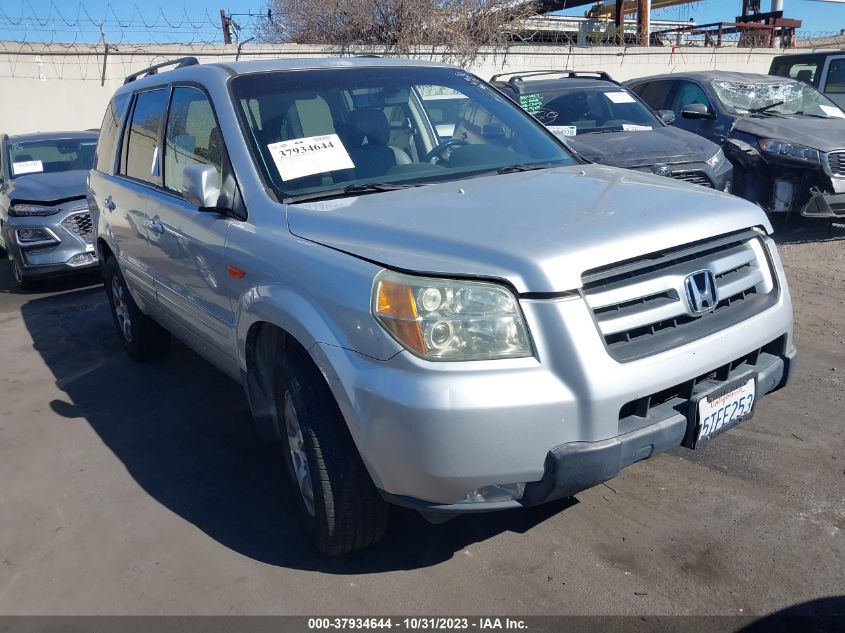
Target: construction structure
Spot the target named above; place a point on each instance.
(753, 28)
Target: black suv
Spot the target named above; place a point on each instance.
(605, 123)
(785, 139)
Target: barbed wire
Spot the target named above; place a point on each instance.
(73, 43)
(79, 25)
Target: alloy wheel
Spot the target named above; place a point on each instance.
(299, 459)
(121, 310)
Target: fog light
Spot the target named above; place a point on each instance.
(496, 492)
(727, 188)
(33, 234)
(80, 259)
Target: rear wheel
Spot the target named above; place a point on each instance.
(341, 509)
(142, 338)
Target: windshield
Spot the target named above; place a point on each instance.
(51, 156)
(335, 129)
(572, 112)
(788, 97)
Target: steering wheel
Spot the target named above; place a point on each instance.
(439, 154)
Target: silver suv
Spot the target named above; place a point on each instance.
(457, 325)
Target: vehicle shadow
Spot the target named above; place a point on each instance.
(800, 230)
(184, 433)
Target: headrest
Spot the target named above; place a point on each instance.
(367, 123)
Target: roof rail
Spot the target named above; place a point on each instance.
(516, 76)
(153, 70)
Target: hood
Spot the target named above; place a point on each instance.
(48, 187)
(822, 134)
(665, 145)
(537, 230)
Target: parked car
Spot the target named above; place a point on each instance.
(824, 70)
(45, 226)
(607, 124)
(469, 325)
(785, 139)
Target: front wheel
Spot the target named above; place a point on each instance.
(21, 279)
(341, 509)
(142, 338)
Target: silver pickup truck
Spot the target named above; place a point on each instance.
(453, 325)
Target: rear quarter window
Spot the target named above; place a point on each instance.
(109, 131)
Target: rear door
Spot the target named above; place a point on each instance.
(187, 244)
(832, 82)
(121, 197)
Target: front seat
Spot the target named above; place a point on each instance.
(367, 133)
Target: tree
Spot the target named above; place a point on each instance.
(458, 27)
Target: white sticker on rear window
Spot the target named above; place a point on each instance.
(620, 97)
(563, 130)
(308, 156)
(832, 111)
(630, 127)
(27, 167)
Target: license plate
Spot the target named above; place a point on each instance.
(725, 407)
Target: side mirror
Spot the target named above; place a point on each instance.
(696, 111)
(667, 116)
(201, 186)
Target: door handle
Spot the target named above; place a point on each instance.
(109, 204)
(154, 226)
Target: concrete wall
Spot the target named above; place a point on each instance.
(66, 87)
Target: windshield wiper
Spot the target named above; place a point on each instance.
(764, 109)
(510, 169)
(350, 190)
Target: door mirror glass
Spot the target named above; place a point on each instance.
(695, 111)
(667, 116)
(201, 186)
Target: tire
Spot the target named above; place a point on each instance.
(142, 338)
(21, 279)
(345, 512)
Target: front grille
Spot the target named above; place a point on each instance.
(641, 308)
(82, 225)
(694, 177)
(837, 163)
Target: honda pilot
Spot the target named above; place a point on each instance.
(452, 325)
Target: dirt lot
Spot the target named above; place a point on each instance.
(130, 489)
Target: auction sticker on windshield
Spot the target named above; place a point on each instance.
(726, 407)
(27, 167)
(308, 156)
(620, 97)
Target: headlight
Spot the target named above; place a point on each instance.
(717, 159)
(23, 210)
(789, 150)
(439, 319)
(30, 235)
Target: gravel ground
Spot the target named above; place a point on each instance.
(132, 489)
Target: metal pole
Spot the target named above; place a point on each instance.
(620, 22)
(643, 18)
(226, 23)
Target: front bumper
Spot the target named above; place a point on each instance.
(68, 250)
(431, 433)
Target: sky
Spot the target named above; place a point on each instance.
(198, 20)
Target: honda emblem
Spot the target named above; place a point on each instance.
(701, 292)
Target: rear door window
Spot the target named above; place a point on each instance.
(655, 94)
(140, 149)
(193, 136)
